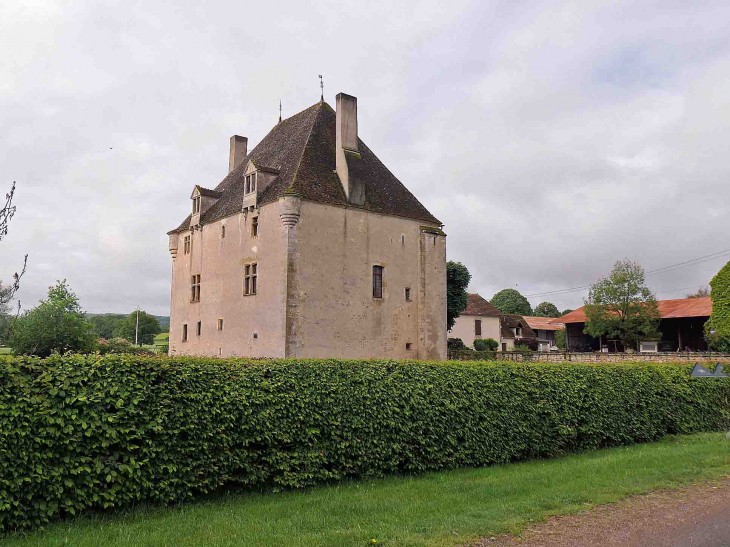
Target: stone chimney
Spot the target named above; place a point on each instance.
(346, 135)
(238, 151)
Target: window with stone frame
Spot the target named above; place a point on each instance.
(196, 205)
(377, 282)
(187, 245)
(250, 183)
(195, 288)
(254, 226)
(250, 274)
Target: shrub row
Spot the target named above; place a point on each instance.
(81, 432)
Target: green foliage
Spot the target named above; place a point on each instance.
(105, 324)
(457, 280)
(149, 326)
(566, 311)
(622, 307)
(717, 328)
(546, 309)
(120, 345)
(455, 344)
(486, 344)
(83, 432)
(57, 324)
(512, 302)
(560, 338)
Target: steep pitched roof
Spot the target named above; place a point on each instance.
(476, 305)
(300, 151)
(668, 309)
(509, 322)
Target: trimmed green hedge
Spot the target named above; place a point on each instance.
(80, 432)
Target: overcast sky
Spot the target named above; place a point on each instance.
(550, 138)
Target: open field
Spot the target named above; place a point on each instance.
(433, 509)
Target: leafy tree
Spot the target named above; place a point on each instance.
(455, 344)
(512, 302)
(702, 292)
(560, 338)
(486, 344)
(149, 326)
(105, 324)
(566, 311)
(546, 309)
(457, 280)
(56, 324)
(717, 328)
(621, 306)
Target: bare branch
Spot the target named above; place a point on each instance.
(7, 212)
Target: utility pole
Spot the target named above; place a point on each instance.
(136, 329)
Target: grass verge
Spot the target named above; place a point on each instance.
(444, 508)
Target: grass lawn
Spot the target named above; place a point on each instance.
(443, 508)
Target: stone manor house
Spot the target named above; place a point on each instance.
(309, 247)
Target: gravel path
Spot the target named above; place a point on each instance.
(696, 516)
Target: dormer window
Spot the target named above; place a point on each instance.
(196, 205)
(250, 183)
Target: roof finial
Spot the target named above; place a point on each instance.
(279, 110)
(321, 86)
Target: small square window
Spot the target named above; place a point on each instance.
(200, 327)
(408, 345)
(220, 324)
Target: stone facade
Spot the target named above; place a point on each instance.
(314, 263)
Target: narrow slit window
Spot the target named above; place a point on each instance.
(248, 184)
(195, 288)
(223, 231)
(220, 324)
(200, 328)
(408, 294)
(184, 333)
(255, 226)
(377, 282)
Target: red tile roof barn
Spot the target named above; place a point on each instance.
(668, 309)
(542, 323)
(476, 305)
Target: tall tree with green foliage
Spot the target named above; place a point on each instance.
(56, 324)
(566, 311)
(717, 328)
(622, 307)
(560, 338)
(106, 323)
(149, 326)
(512, 302)
(457, 280)
(546, 309)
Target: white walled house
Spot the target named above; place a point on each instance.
(479, 320)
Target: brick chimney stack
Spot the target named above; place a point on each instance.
(238, 151)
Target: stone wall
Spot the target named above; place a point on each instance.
(565, 357)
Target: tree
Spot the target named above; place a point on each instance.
(546, 309)
(512, 302)
(486, 344)
(717, 328)
(702, 292)
(149, 326)
(106, 323)
(560, 338)
(56, 324)
(7, 292)
(457, 280)
(566, 311)
(622, 307)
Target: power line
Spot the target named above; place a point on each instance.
(692, 262)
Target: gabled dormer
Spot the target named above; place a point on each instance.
(256, 178)
(203, 199)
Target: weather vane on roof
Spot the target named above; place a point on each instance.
(321, 86)
(279, 110)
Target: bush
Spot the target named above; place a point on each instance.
(454, 344)
(120, 345)
(717, 328)
(487, 344)
(90, 432)
(527, 344)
